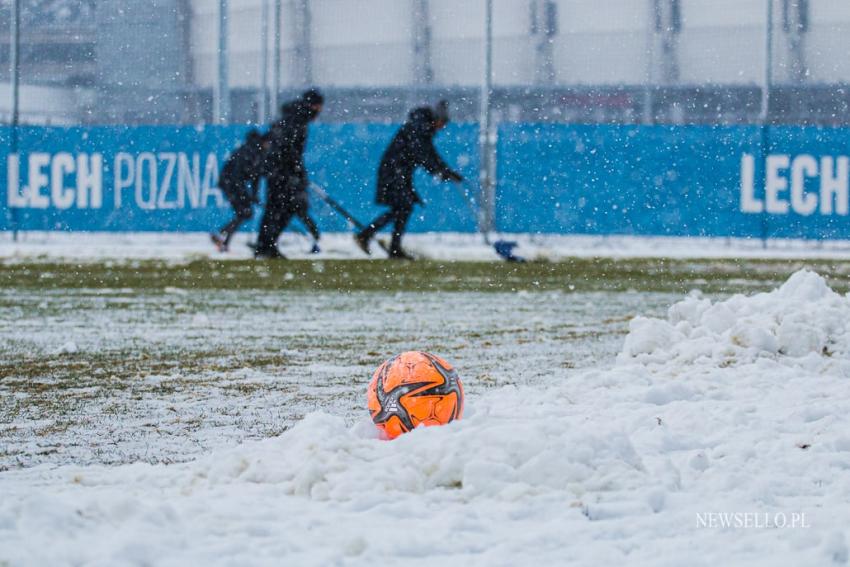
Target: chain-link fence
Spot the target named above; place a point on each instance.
(610, 61)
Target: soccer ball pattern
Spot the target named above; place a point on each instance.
(413, 389)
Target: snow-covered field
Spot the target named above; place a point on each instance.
(442, 246)
(227, 427)
(115, 376)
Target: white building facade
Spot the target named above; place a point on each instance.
(375, 43)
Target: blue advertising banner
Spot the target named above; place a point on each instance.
(743, 181)
(165, 179)
(624, 179)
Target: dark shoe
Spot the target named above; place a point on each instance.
(363, 242)
(400, 255)
(271, 254)
(220, 243)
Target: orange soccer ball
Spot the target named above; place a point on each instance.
(413, 389)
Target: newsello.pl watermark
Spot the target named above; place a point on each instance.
(753, 520)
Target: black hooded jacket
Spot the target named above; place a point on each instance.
(243, 168)
(412, 147)
(284, 163)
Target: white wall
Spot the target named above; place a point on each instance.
(362, 42)
(602, 42)
(44, 105)
(458, 32)
(367, 42)
(245, 46)
(722, 41)
(829, 40)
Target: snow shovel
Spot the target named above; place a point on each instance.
(334, 204)
(504, 248)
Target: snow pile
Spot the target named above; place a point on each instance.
(323, 492)
(613, 465)
(803, 323)
(322, 460)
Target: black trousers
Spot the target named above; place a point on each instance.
(280, 209)
(303, 214)
(243, 209)
(398, 215)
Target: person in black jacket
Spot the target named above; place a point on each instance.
(286, 173)
(412, 147)
(239, 181)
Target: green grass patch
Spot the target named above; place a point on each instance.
(82, 370)
(577, 274)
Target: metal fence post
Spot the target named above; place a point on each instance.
(486, 134)
(648, 111)
(222, 90)
(263, 114)
(764, 115)
(15, 74)
(275, 102)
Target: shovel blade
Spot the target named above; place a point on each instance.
(505, 249)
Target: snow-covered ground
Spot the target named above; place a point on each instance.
(113, 376)
(718, 435)
(442, 246)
